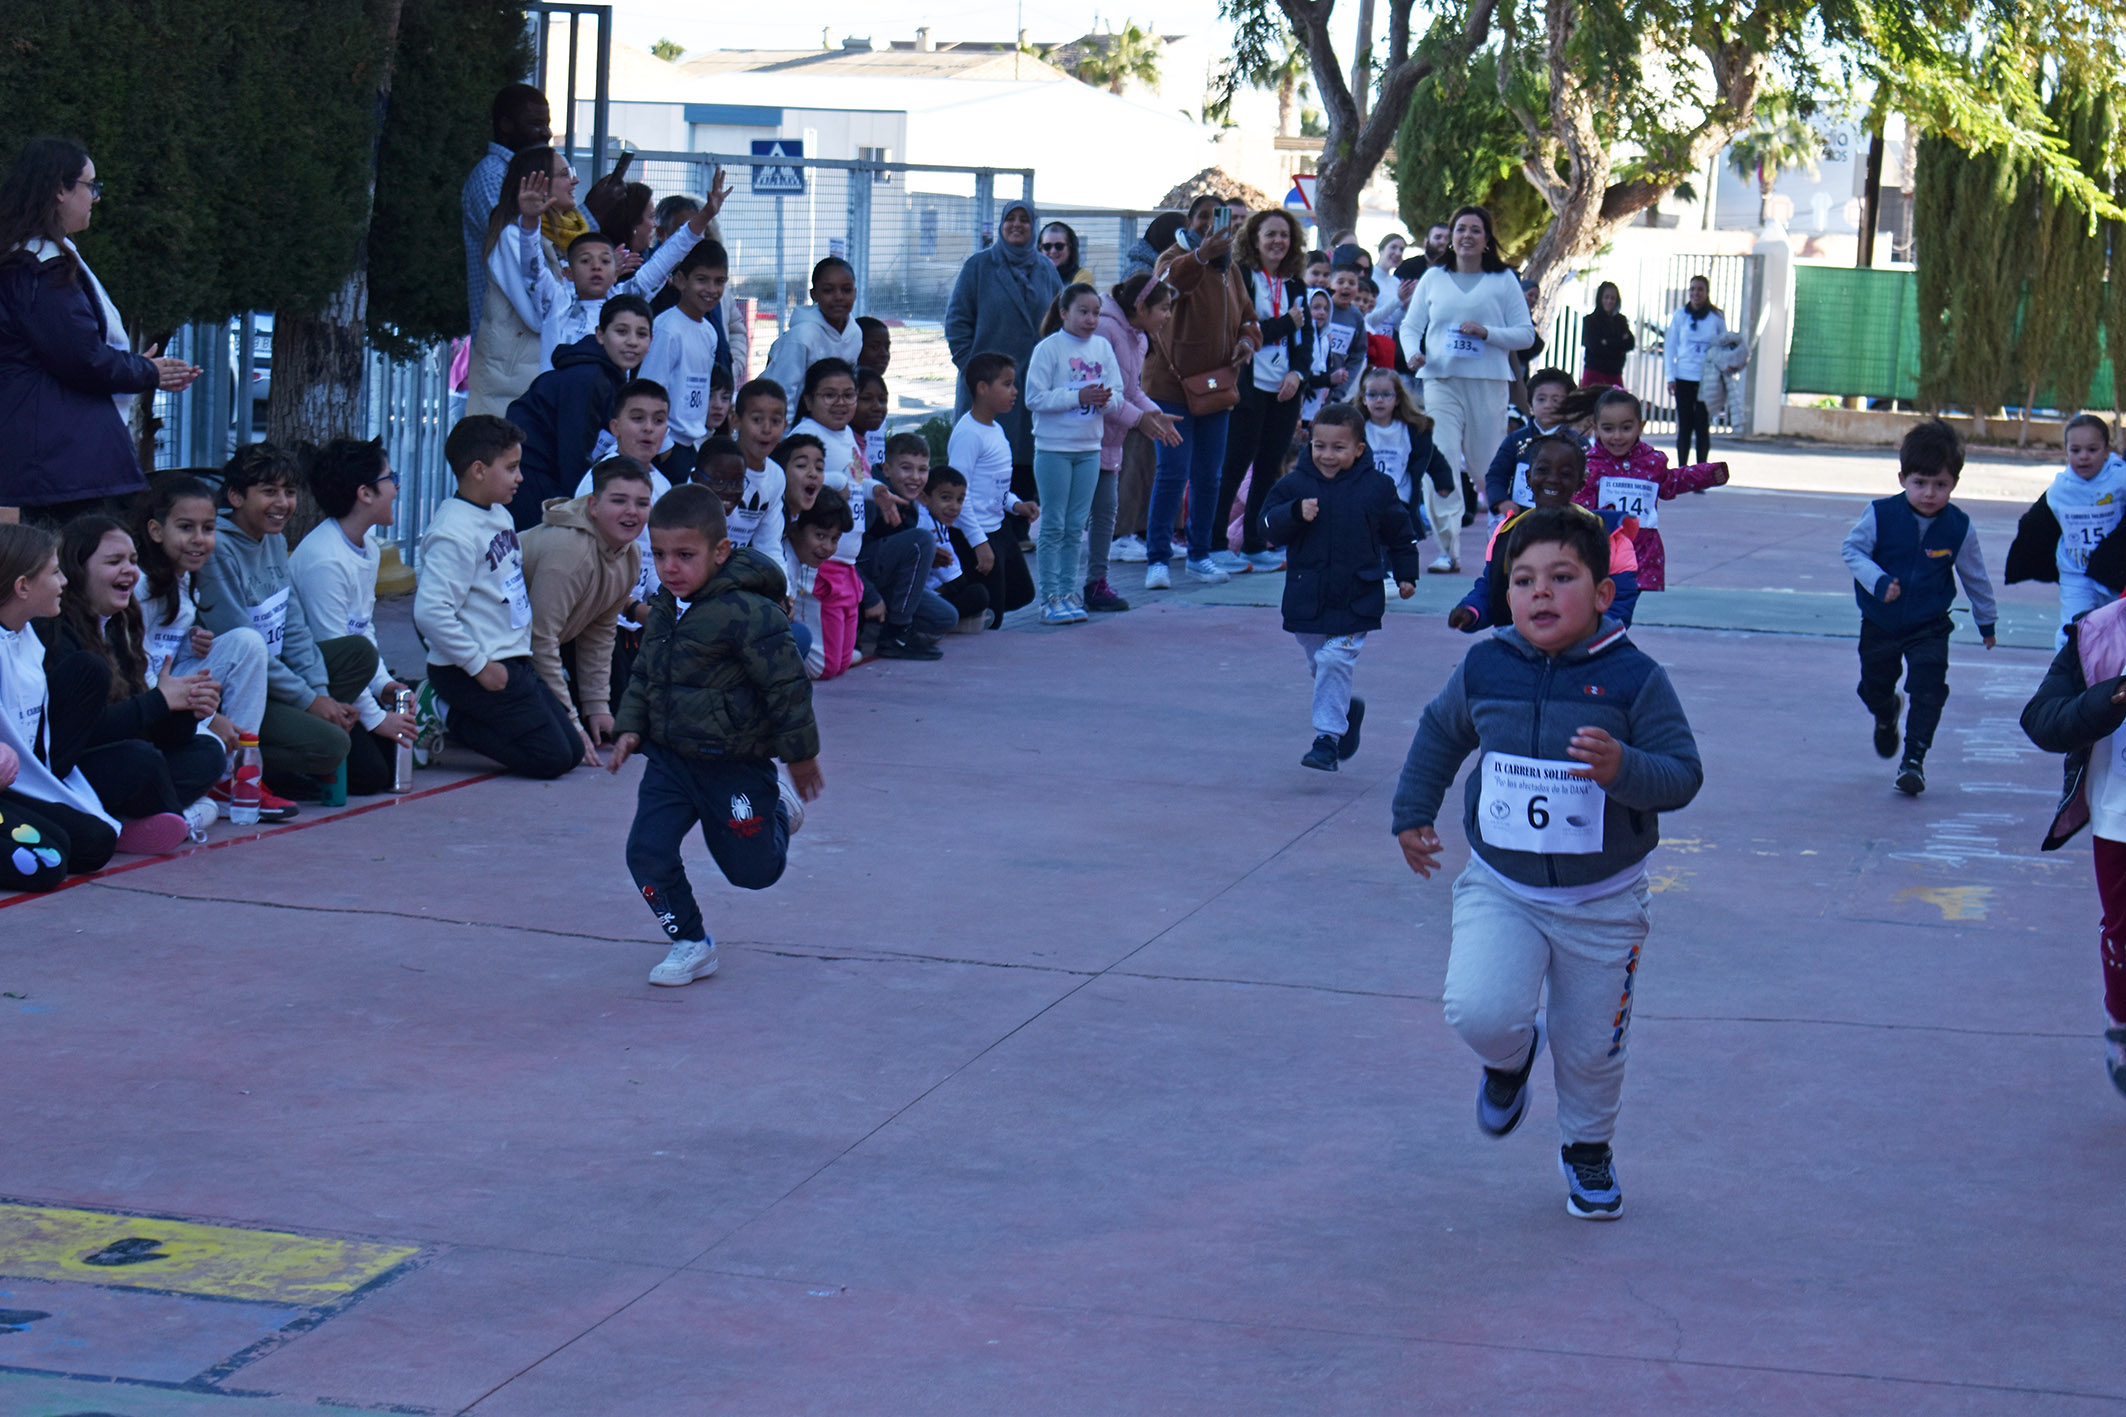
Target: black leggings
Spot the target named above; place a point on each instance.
(134, 778)
(1692, 417)
(1009, 584)
(42, 843)
(1257, 438)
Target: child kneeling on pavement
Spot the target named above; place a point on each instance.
(717, 694)
(1556, 885)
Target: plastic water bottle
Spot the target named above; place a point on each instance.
(246, 782)
(402, 768)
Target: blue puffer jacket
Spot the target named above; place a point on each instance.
(61, 439)
(1507, 696)
(562, 414)
(1336, 563)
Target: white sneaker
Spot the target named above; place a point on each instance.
(1126, 548)
(1158, 576)
(793, 805)
(1444, 565)
(201, 815)
(1207, 573)
(689, 960)
(1231, 562)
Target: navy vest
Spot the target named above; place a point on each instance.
(1922, 563)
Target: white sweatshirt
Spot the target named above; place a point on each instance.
(804, 603)
(1689, 339)
(2087, 511)
(472, 605)
(808, 340)
(166, 641)
(22, 711)
(682, 357)
(1390, 445)
(849, 473)
(1062, 366)
(1443, 301)
(565, 317)
(757, 520)
(981, 452)
(336, 581)
(950, 571)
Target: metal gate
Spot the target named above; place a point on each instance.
(1653, 289)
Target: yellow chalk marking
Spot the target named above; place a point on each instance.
(267, 1266)
(1659, 881)
(1954, 902)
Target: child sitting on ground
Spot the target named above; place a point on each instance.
(828, 603)
(876, 351)
(335, 576)
(868, 423)
(582, 568)
(2068, 533)
(1342, 526)
(637, 431)
(1633, 477)
(1557, 468)
(944, 494)
(305, 732)
(1905, 554)
(821, 330)
(901, 550)
(716, 695)
(569, 405)
(683, 352)
(474, 613)
(828, 404)
(757, 520)
(1556, 885)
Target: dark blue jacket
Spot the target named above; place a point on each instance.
(61, 439)
(1498, 478)
(1490, 586)
(562, 414)
(1923, 563)
(1336, 563)
(1506, 696)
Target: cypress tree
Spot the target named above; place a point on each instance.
(1972, 233)
(2057, 349)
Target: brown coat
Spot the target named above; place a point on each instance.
(578, 587)
(1212, 315)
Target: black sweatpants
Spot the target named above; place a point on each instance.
(42, 843)
(964, 594)
(1009, 583)
(1256, 441)
(134, 778)
(522, 725)
(739, 805)
(1922, 655)
(1693, 418)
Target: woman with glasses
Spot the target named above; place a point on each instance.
(68, 374)
(1060, 245)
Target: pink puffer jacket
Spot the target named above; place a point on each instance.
(1122, 414)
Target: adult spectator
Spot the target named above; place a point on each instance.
(1391, 250)
(1158, 236)
(1439, 244)
(67, 372)
(1197, 364)
(1463, 321)
(1606, 337)
(1692, 330)
(506, 352)
(1202, 215)
(518, 119)
(1268, 257)
(997, 305)
(1060, 244)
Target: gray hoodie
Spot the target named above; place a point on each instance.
(246, 586)
(808, 340)
(1508, 697)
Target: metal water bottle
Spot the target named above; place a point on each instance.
(402, 768)
(247, 782)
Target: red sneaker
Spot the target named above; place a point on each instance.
(270, 807)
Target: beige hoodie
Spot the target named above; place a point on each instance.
(579, 586)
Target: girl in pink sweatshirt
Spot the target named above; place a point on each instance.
(1132, 315)
(1633, 477)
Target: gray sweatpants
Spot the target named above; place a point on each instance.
(1332, 659)
(1505, 947)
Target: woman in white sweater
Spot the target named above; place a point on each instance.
(1462, 321)
(1695, 327)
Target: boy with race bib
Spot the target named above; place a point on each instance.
(1629, 475)
(1581, 743)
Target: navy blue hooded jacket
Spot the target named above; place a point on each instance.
(1335, 564)
(61, 439)
(562, 414)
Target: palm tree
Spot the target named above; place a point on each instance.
(1130, 54)
(1288, 76)
(1778, 139)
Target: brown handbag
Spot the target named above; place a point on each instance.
(1212, 391)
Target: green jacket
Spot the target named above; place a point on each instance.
(726, 680)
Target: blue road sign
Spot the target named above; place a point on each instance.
(783, 173)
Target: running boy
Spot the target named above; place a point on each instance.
(717, 694)
(1556, 886)
(1342, 525)
(1905, 554)
(474, 614)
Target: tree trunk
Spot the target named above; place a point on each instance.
(1362, 62)
(1871, 197)
(1285, 94)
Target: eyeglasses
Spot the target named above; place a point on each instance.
(1055, 245)
(391, 477)
(95, 189)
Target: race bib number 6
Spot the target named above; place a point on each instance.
(1537, 804)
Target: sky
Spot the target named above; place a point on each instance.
(797, 26)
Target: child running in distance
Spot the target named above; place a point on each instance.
(1346, 336)
(981, 451)
(2064, 534)
(1633, 477)
(1321, 371)
(173, 530)
(1906, 554)
(1073, 375)
(1581, 743)
(1342, 525)
(717, 694)
(1557, 468)
(1399, 436)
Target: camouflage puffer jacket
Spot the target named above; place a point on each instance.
(726, 680)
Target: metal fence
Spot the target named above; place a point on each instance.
(1652, 290)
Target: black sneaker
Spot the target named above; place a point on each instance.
(1886, 742)
(1502, 1098)
(1591, 1189)
(1323, 754)
(1348, 745)
(899, 644)
(1912, 777)
(1100, 598)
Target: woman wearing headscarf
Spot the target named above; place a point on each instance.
(1060, 244)
(997, 304)
(1157, 237)
(68, 375)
